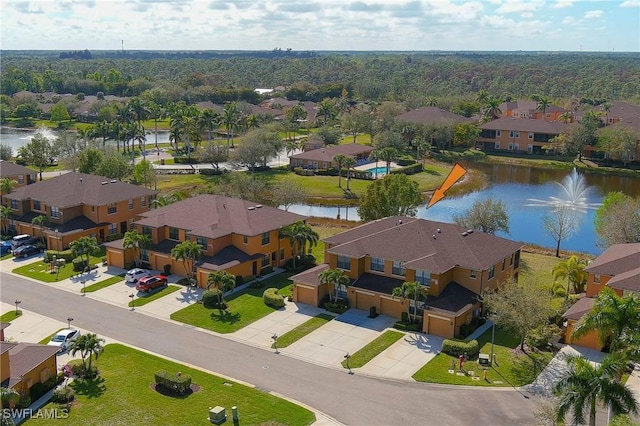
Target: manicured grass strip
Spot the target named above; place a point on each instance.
(6, 256)
(513, 368)
(373, 349)
(123, 395)
(141, 301)
(303, 329)
(41, 271)
(10, 315)
(102, 284)
(243, 308)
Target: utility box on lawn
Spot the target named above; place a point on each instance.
(217, 415)
(484, 361)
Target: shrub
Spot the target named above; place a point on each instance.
(257, 283)
(114, 237)
(338, 307)
(467, 329)
(405, 161)
(186, 160)
(541, 336)
(211, 298)
(83, 371)
(459, 347)
(63, 395)
(266, 270)
(399, 325)
(179, 383)
(303, 172)
(404, 317)
(25, 402)
(213, 172)
(67, 255)
(79, 264)
(272, 298)
(409, 170)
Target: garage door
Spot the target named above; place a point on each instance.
(306, 295)
(364, 301)
(440, 327)
(392, 308)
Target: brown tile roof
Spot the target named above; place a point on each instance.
(8, 169)
(622, 263)
(73, 189)
(618, 109)
(412, 241)
(429, 115)
(526, 125)
(631, 122)
(454, 300)
(579, 309)
(24, 357)
(527, 106)
(215, 216)
(6, 346)
(4, 325)
(327, 153)
(226, 258)
(310, 276)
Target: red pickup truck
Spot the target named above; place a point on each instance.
(151, 282)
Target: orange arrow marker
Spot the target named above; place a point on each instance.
(454, 175)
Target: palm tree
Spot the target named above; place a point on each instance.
(566, 117)
(614, 317)
(40, 221)
(165, 200)
(187, 252)
(210, 121)
(492, 107)
(85, 247)
(411, 291)
(432, 101)
(89, 345)
(339, 159)
(336, 278)
(482, 96)
(136, 241)
(223, 281)
(573, 270)
(299, 234)
(103, 130)
(388, 155)
(348, 163)
(6, 187)
(230, 118)
(5, 215)
(543, 104)
(586, 383)
(157, 112)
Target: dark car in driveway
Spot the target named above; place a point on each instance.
(149, 283)
(25, 251)
(5, 247)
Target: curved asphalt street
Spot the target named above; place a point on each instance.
(350, 399)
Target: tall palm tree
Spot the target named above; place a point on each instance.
(482, 96)
(157, 112)
(566, 117)
(573, 270)
(210, 121)
(348, 163)
(411, 291)
(614, 317)
(6, 187)
(492, 107)
(84, 247)
(585, 384)
(40, 221)
(336, 278)
(543, 104)
(165, 200)
(300, 234)
(223, 281)
(339, 159)
(230, 118)
(90, 346)
(187, 252)
(388, 155)
(5, 215)
(137, 242)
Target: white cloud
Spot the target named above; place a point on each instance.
(561, 4)
(569, 20)
(592, 14)
(630, 3)
(527, 15)
(519, 6)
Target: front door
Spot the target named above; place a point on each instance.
(123, 227)
(254, 269)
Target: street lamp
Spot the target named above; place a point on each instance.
(17, 302)
(133, 301)
(347, 357)
(69, 319)
(84, 287)
(493, 336)
(57, 241)
(275, 342)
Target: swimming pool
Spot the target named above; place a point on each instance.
(377, 170)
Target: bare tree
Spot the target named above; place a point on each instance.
(560, 223)
(488, 215)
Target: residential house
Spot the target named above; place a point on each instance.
(631, 122)
(20, 174)
(237, 236)
(529, 110)
(612, 112)
(431, 115)
(454, 264)
(77, 205)
(518, 135)
(617, 268)
(322, 158)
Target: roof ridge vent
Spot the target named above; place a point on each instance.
(469, 231)
(439, 231)
(251, 208)
(104, 182)
(258, 206)
(465, 233)
(113, 181)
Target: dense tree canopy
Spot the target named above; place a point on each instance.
(393, 195)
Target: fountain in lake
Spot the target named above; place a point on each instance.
(574, 195)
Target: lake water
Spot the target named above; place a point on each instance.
(517, 187)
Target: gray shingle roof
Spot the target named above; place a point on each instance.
(24, 357)
(622, 263)
(526, 125)
(579, 309)
(327, 153)
(7, 169)
(429, 115)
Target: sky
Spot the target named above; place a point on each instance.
(401, 25)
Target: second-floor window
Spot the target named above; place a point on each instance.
(492, 272)
(245, 239)
(596, 278)
(344, 263)
(266, 238)
(202, 242)
(55, 212)
(473, 274)
(398, 268)
(143, 201)
(146, 230)
(130, 203)
(423, 277)
(14, 204)
(174, 233)
(36, 205)
(514, 134)
(504, 263)
(377, 264)
(111, 208)
(20, 179)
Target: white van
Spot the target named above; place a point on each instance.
(21, 240)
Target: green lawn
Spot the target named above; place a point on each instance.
(123, 395)
(244, 308)
(150, 297)
(41, 271)
(302, 330)
(373, 349)
(10, 315)
(102, 284)
(6, 256)
(512, 368)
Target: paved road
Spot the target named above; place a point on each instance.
(353, 400)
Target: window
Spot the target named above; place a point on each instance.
(174, 234)
(377, 264)
(55, 212)
(130, 203)
(504, 263)
(514, 134)
(93, 209)
(344, 263)
(113, 228)
(36, 205)
(530, 135)
(266, 238)
(342, 291)
(492, 272)
(281, 254)
(144, 255)
(20, 179)
(202, 242)
(498, 133)
(548, 115)
(245, 239)
(496, 145)
(146, 230)
(14, 204)
(511, 260)
(423, 277)
(530, 148)
(510, 147)
(111, 208)
(265, 260)
(596, 278)
(143, 201)
(398, 268)
(473, 274)
(517, 260)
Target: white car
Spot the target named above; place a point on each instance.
(133, 275)
(64, 338)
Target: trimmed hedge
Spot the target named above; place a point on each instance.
(178, 382)
(67, 255)
(266, 270)
(459, 347)
(211, 298)
(405, 161)
(213, 172)
(272, 298)
(186, 160)
(303, 172)
(399, 325)
(79, 264)
(409, 170)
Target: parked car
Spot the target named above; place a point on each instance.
(22, 240)
(133, 275)
(5, 247)
(25, 251)
(64, 338)
(151, 282)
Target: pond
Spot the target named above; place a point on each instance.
(528, 194)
